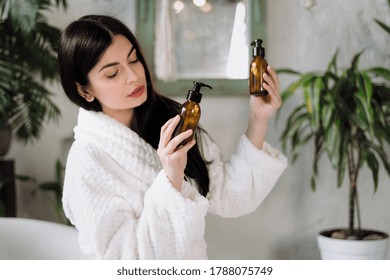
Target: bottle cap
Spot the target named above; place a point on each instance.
(258, 49)
(195, 95)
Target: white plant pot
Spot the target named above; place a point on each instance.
(343, 249)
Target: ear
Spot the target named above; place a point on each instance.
(84, 93)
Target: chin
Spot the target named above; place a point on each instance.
(140, 100)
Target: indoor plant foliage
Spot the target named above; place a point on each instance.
(27, 58)
(346, 112)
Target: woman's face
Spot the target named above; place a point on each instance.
(118, 81)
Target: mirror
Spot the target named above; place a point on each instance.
(186, 40)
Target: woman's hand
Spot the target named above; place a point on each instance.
(173, 159)
(262, 108)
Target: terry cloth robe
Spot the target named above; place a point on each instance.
(119, 198)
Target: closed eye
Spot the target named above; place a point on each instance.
(134, 61)
(113, 75)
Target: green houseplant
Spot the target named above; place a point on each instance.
(27, 59)
(346, 112)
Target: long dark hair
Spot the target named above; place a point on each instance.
(81, 46)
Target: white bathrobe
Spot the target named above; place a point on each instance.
(124, 207)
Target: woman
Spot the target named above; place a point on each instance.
(130, 193)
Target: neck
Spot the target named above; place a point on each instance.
(123, 116)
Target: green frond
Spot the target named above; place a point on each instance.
(27, 49)
(383, 25)
(332, 65)
(341, 109)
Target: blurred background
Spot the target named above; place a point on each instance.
(299, 34)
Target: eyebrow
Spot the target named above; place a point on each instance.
(116, 63)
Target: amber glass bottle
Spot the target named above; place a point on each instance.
(190, 112)
(257, 67)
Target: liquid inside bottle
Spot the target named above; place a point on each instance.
(257, 68)
(189, 118)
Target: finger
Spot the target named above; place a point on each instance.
(167, 130)
(184, 149)
(274, 97)
(271, 91)
(175, 142)
(272, 80)
(274, 76)
(271, 88)
(269, 84)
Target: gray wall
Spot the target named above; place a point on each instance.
(286, 224)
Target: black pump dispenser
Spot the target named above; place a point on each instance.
(195, 95)
(257, 48)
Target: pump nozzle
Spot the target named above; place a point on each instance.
(195, 94)
(198, 85)
(258, 49)
(257, 43)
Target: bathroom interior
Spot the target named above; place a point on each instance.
(302, 35)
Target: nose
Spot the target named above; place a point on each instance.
(131, 75)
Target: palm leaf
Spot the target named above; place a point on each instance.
(23, 16)
(27, 47)
(332, 65)
(380, 72)
(30, 107)
(383, 25)
(355, 61)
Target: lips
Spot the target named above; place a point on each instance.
(138, 91)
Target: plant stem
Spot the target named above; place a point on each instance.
(359, 224)
(352, 188)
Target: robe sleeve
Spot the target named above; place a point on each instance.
(239, 185)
